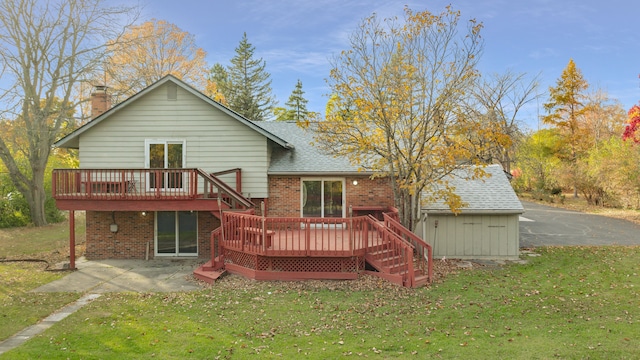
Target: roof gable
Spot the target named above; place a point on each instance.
(72, 140)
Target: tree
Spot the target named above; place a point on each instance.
(566, 106)
(603, 118)
(46, 49)
(537, 162)
(296, 107)
(632, 130)
(245, 84)
(216, 80)
(148, 52)
(497, 99)
(399, 93)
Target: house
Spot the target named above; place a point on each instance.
(486, 228)
(171, 173)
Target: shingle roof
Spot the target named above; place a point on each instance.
(304, 158)
(492, 194)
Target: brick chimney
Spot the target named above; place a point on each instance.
(100, 101)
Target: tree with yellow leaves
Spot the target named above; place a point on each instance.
(150, 51)
(566, 108)
(398, 106)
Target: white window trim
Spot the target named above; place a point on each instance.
(147, 142)
(147, 160)
(323, 179)
(177, 227)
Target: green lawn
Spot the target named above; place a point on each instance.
(29, 241)
(577, 302)
(19, 307)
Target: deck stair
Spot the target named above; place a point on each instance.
(208, 272)
(391, 258)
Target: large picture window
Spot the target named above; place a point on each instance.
(323, 198)
(165, 154)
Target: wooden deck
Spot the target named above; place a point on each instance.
(317, 248)
(140, 189)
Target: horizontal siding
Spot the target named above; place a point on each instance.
(214, 141)
(473, 236)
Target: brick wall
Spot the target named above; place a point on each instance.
(135, 231)
(368, 192)
(284, 194)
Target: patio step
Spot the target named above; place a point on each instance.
(207, 274)
(420, 281)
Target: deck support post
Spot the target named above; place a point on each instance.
(72, 240)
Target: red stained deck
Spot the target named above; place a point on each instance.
(144, 189)
(319, 248)
(254, 246)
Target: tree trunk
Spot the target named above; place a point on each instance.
(36, 206)
(36, 197)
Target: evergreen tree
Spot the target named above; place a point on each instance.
(245, 84)
(218, 84)
(297, 104)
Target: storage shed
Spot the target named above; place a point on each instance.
(487, 228)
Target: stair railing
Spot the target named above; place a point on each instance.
(398, 246)
(423, 250)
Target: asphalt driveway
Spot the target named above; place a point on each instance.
(542, 225)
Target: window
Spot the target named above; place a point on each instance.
(165, 154)
(323, 198)
(176, 233)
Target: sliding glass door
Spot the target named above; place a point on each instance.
(176, 233)
(323, 198)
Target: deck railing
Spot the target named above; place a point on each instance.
(326, 237)
(401, 261)
(294, 236)
(423, 250)
(143, 184)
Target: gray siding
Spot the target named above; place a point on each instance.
(473, 236)
(214, 141)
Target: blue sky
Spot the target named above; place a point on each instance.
(536, 37)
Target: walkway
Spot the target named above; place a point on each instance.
(97, 277)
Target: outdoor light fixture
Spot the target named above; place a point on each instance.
(144, 213)
(355, 182)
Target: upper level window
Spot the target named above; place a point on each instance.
(165, 154)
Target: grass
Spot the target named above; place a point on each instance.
(569, 302)
(28, 241)
(19, 306)
(572, 302)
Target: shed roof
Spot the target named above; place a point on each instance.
(489, 195)
(304, 158)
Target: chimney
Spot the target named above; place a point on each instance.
(100, 101)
